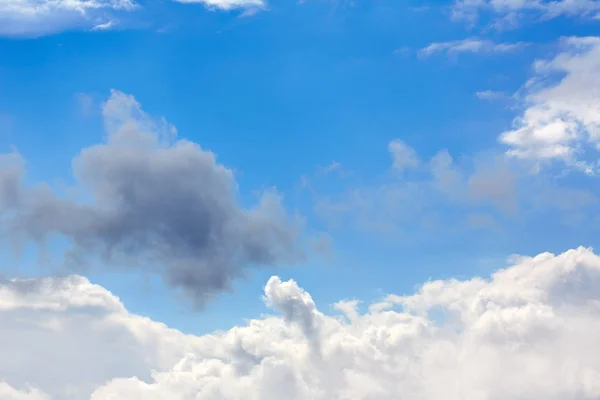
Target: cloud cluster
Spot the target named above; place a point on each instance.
(561, 120)
(155, 203)
(527, 332)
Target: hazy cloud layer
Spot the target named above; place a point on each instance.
(155, 203)
(415, 189)
(527, 332)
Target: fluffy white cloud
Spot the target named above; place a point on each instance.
(528, 332)
(562, 118)
(470, 45)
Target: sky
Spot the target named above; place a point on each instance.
(347, 200)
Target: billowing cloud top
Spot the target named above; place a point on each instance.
(528, 332)
(155, 203)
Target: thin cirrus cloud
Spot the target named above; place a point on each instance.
(561, 116)
(451, 339)
(469, 45)
(509, 12)
(30, 18)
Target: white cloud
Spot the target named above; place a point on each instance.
(528, 332)
(35, 17)
(470, 45)
(561, 120)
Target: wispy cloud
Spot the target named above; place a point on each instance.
(491, 95)
(470, 45)
(509, 13)
(108, 25)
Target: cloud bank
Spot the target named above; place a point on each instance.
(527, 332)
(152, 202)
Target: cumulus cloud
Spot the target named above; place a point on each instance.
(470, 45)
(561, 121)
(527, 332)
(156, 203)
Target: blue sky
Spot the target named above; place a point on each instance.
(307, 97)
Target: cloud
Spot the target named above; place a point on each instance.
(470, 45)
(156, 203)
(32, 18)
(253, 5)
(451, 339)
(509, 12)
(36, 18)
(402, 204)
(561, 120)
(106, 26)
(403, 156)
(9, 393)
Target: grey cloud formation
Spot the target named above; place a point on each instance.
(537, 317)
(155, 203)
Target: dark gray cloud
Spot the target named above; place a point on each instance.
(155, 203)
